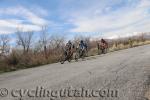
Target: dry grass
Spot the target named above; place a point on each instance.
(126, 46)
(17, 60)
(93, 52)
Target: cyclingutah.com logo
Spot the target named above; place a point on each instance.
(41, 92)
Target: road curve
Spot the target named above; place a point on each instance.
(126, 71)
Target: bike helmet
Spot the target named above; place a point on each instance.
(81, 41)
(69, 41)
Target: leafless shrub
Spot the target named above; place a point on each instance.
(49, 48)
(44, 39)
(56, 41)
(4, 44)
(24, 39)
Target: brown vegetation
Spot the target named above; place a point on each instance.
(48, 49)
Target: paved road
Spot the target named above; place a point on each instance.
(119, 75)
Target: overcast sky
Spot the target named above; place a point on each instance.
(109, 18)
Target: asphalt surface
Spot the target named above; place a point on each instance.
(119, 75)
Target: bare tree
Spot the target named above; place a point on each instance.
(77, 39)
(57, 41)
(24, 39)
(4, 44)
(44, 38)
(141, 37)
